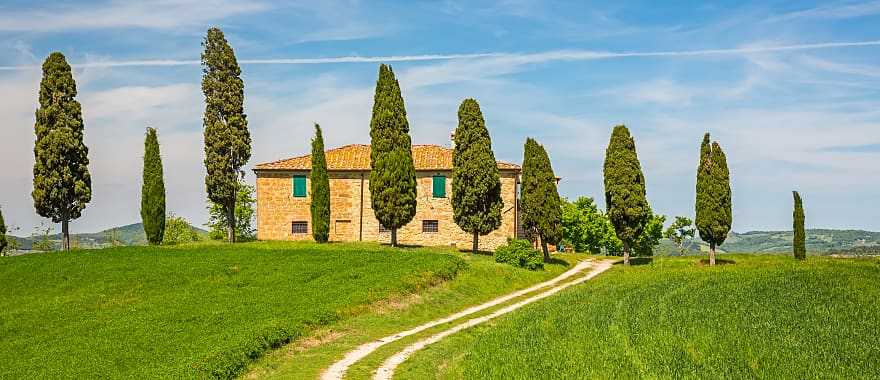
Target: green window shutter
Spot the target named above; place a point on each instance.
(299, 186)
(439, 186)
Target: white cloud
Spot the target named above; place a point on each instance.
(155, 14)
(833, 11)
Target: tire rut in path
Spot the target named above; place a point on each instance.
(338, 370)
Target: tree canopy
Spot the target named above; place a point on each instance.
(625, 199)
(62, 183)
(227, 139)
(541, 214)
(476, 185)
(153, 190)
(320, 205)
(799, 243)
(713, 204)
(392, 172)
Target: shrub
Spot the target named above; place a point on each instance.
(178, 231)
(519, 253)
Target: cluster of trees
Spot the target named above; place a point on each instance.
(62, 182)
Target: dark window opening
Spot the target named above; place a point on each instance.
(430, 226)
(299, 227)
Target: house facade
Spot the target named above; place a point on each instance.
(283, 200)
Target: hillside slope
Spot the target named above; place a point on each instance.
(132, 234)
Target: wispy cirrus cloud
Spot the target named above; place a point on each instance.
(514, 59)
(154, 14)
(837, 10)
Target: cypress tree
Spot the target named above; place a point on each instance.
(392, 173)
(3, 242)
(541, 209)
(62, 183)
(625, 200)
(476, 186)
(713, 203)
(153, 190)
(799, 242)
(227, 139)
(320, 190)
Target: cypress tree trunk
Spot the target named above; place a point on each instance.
(476, 242)
(711, 254)
(65, 232)
(394, 237)
(545, 250)
(625, 253)
(230, 221)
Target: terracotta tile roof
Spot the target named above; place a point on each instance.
(357, 157)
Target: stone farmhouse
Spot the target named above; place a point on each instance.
(283, 200)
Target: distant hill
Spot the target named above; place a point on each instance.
(818, 240)
(132, 234)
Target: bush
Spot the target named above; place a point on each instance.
(178, 231)
(519, 253)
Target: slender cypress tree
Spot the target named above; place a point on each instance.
(3, 242)
(392, 173)
(227, 139)
(476, 186)
(625, 201)
(713, 203)
(541, 209)
(62, 183)
(153, 190)
(799, 242)
(320, 190)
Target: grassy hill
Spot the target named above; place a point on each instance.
(819, 241)
(132, 234)
(756, 317)
(191, 311)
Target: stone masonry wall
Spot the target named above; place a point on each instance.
(277, 208)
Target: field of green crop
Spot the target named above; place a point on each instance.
(756, 316)
(198, 311)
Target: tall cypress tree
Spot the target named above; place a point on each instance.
(713, 203)
(153, 190)
(320, 190)
(392, 173)
(476, 185)
(625, 201)
(227, 139)
(62, 183)
(541, 213)
(3, 242)
(799, 242)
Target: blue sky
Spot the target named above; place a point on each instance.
(791, 90)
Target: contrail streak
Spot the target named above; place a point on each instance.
(548, 56)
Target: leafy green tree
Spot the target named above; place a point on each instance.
(40, 240)
(320, 182)
(62, 183)
(625, 200)
(153, 190)
(227, 139)
(541, 213)
(680, 231)
(800, 236)
(218, 222)
(3, 243)
(584, 226)
(713, 203)
(476, 185)
(392, 172)
(645, 243)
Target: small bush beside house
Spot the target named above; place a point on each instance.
(519, 253)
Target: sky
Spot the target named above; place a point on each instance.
(791, 91)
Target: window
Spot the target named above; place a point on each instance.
(430, 226)
(439, 186)
(299, 186)
(299, 227)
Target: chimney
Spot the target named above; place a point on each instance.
(452, 139)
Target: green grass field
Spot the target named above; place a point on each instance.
(145, 312)
(762, 316)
